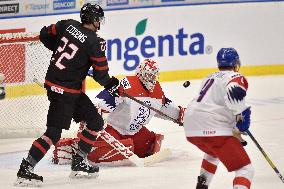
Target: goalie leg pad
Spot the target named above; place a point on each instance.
(62, 153)
(103, 152)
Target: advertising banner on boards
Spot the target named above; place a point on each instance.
(22, 8)
(32, 7)
(10, 8)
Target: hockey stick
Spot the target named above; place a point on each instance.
(265, 156)
(37, 82)
(126, 152)
(151, 108)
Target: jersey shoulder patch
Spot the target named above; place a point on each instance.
(240, 80)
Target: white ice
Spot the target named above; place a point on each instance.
(265, 95)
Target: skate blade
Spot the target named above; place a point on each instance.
(25, 182)
(83, 175)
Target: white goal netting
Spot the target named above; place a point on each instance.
(23, 111)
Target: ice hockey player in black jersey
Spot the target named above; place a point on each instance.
(76, 47)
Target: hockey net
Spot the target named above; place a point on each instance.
(24, 109)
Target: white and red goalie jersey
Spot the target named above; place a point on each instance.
(129, 116)
(213, 112)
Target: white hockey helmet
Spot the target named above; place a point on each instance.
(148, 73)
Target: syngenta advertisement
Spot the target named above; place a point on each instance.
(189, 37)
(141, 44)
(170, 38)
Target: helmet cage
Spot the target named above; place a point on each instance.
(148, 73)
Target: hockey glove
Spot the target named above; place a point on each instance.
(48, 38)
(243, 120)
(113, 86)
(238, 135)
(181, 115)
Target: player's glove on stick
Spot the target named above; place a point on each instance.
(113, 87)
(243, 120)
(181, 115)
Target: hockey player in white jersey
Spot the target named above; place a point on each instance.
(127, 118)
(210, 119)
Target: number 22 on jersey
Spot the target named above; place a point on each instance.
(64, 54)
(205, 88)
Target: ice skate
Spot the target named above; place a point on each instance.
(82, 169)
(201, 183)
(26, 177)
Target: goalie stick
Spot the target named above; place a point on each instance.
(151, 108)
(126, 152)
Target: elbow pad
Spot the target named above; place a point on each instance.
(47, 38)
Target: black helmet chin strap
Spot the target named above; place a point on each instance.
(99, 26)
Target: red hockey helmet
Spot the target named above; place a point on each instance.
(148, 73)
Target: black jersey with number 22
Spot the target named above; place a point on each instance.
(75, 49)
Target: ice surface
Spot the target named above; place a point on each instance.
(265, 95)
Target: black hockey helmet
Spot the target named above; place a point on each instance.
(91, 13)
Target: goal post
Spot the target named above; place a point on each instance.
(24, 109)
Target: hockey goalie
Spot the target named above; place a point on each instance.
(126, 119)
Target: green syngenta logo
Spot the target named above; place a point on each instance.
(132, 49)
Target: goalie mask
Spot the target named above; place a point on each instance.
(148, 73)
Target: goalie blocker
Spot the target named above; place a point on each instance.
(102, 152)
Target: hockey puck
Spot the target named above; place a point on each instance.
(186, 84)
